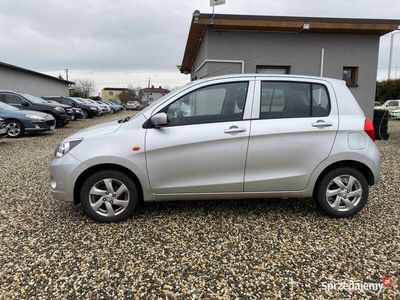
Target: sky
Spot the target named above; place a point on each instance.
(126, 42)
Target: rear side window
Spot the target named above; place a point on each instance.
(293, 100)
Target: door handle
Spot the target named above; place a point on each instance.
(321, 124)
(235, 129)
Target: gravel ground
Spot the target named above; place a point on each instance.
(198, 249)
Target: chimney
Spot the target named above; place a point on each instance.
(160, 87)
(152, 86)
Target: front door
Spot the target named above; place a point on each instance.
(292, 132)
(203, 149)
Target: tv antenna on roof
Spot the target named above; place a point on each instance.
(214, 3)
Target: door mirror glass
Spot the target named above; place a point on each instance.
(159, 120)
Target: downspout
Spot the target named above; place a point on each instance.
(321, 72)
(221, 61)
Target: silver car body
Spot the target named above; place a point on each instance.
(265, 158)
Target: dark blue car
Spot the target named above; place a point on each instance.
(19, 122)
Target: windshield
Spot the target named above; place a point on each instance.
(4, 106)
(34, 99)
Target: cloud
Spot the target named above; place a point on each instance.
(133, 34)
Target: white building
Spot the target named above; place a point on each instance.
(151, 94)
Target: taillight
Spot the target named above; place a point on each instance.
(369, 128)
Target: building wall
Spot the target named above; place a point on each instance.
(105, 95)
(31, 84)
(147, 98)
(300, 51)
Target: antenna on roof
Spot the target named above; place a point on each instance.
(214, 3)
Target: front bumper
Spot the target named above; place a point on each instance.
(63, 173)
(41, 126)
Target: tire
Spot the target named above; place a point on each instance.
(63, 124)
(382, 129)
(15, 129)
(340, 199)
(112, 111)
(384, 136)
(379, 113)
(107, 203)
(85, 114)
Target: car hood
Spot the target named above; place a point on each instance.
(35, 112)
(98, 130)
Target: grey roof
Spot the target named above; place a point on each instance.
(12, 67)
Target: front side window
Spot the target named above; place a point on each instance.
(217, 103)
(293, 100)
(14, 99)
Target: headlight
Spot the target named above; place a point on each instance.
(93, 108)
(35, 117)
(65, 147)
(59, 109)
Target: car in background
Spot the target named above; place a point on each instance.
(29, 102)
(88, 110)
(19, 122)
(103, 110)
(395, 114)
(68, 109)
(103, 105)
(133, 105)
(3, 129)
(377, 104)
(114, 107)
(391, 104)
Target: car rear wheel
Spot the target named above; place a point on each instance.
(109, 196)
(15, 129)
(85, 114)
(342, 192)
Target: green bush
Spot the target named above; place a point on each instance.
(388, 89)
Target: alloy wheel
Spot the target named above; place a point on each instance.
(85, 114)
(13, 129)
(109, 197)
(344, 193)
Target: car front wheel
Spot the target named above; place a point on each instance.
(109, 196)
(15, 129)
(342, 192)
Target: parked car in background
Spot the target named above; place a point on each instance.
(103, 105)
(102, 110)
(88, 110)
(395, 114)
(29, 102)
(133, 105)
(114, 107)
(377, 104)
(3, 129)
(391, 104)
(117, 103)
(251, 136)
(19, 122)
(68, 109)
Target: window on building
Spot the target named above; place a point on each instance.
(293, 100)
(273, 69)
(350, 75)
(111, 93)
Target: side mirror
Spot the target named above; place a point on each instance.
(159, 120)
(24, 103)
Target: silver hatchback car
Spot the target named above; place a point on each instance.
(238, 136)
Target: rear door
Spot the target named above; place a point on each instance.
(293, 128)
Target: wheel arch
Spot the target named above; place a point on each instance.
(364, 169)
(101, 167)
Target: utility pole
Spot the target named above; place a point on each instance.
(391, 53)
(66, 74)
(148, 84)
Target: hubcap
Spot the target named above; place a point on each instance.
(109, 197)
(13, 129)
(85, 114)
(344, 193)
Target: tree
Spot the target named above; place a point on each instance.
(387, 89)
(84, 88)
(127, 95)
